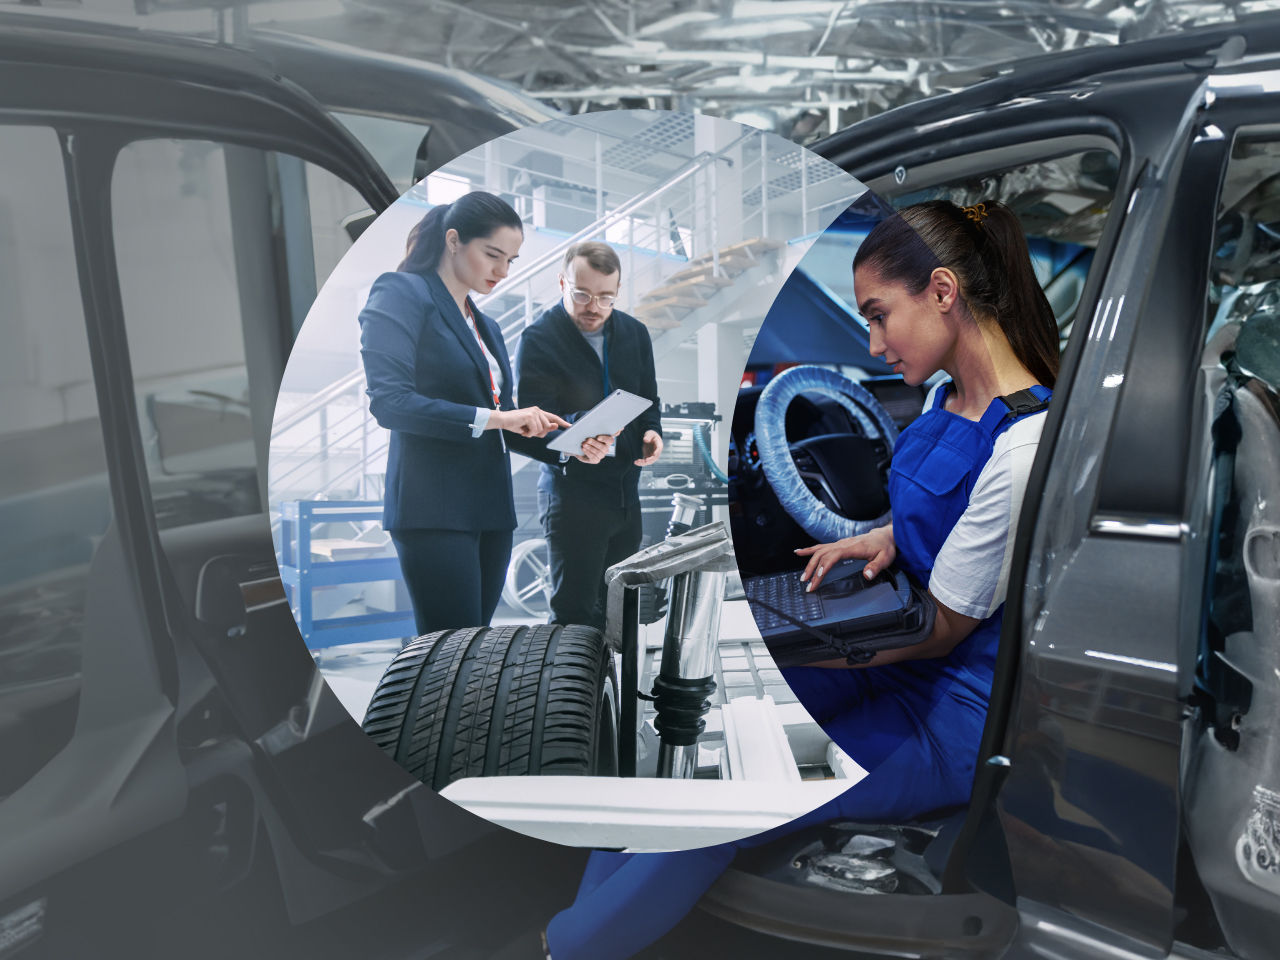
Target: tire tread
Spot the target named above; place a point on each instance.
(487, 701)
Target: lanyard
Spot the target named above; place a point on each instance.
(604, 363)
(493, 386)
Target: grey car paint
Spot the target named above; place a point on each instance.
(465, 111)
(211, 797)
(1093, 708)
(1121, 581)
(1109, 817)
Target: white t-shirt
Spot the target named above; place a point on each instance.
(495, 378)
(971, 572)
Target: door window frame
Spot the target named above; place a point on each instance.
(990, 135)
(152, 98)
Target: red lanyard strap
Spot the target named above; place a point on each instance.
(493, 386)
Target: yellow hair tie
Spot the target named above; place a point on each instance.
(977, 213)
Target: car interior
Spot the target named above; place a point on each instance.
(1063, 202)
(166, 735)
(103, 688)
(1231, 752)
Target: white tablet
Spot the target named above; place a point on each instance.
(606, 418)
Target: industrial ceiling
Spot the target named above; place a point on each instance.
(801, 68)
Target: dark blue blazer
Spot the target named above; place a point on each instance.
(559, 371)
(426, 375)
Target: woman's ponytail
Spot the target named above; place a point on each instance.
(1022, 309)
(425, 243)
(474, 214)
(983, 245)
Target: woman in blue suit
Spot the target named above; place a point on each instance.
(439, 379)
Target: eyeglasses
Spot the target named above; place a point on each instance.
(604, 301)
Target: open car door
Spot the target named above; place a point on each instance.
(172, 755)
(1073, 841)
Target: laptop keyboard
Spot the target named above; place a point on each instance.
(785, 592)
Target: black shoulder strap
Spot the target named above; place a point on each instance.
(1023, 402)
(1011, 408)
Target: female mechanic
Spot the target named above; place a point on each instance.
(942, 288)
(439, 379)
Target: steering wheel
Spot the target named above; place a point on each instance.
(845, 468)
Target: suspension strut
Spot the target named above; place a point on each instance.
(686, 677)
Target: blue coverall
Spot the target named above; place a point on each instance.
(914, 726)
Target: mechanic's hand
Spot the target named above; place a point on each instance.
(652, 448)
(876, 547)
(595, 449)
(527, 421)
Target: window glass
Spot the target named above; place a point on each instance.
(55, 501)
(1243, 342)
(219, 250)
(1245, 278)
(171, 207)
(331, 201)
(1062, 204)
(393, 143)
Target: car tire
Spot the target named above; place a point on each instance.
(499, 701)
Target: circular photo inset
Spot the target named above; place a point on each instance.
(501, 468)
(881, 445)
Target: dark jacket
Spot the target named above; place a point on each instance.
(557, 370)
(426, 375)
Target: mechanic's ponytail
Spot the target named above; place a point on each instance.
(983, 245)
(1021, 308)
(475, 214)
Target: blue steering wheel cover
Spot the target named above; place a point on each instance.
(813, 516)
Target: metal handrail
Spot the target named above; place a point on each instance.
(313, 405)
(353, 469)
(531, 273)
(616, 215)
(301, 448)
(319, 456)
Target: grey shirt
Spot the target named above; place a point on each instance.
(597, 342)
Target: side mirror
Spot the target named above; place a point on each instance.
(357, 223)
(421, 165)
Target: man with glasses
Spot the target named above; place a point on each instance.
(570, 359)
